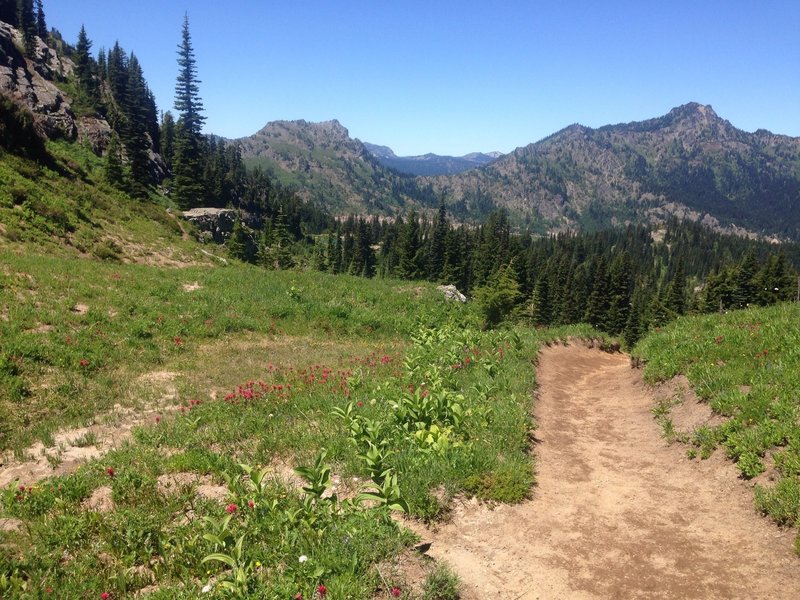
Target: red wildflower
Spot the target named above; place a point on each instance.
(251, 504)
(111, 472)
(322, 590)
(105, 596)
(22, 488)
(298, 596)
(231, 508)
(395, 591)
(158, 418)
(178, 340)
(84, 363)
(359, 404)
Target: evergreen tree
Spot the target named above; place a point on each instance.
(540, 302)
(676, 293)
(498, 298)
(135, 136)
(188, 160)
(436, 254)
(113, 167)
(187, 90)
(41, 25)
(84, 67)
(26, 22)
(409, 249)
(8, 12)
(167, 135)
(746, 292)
(239, 242)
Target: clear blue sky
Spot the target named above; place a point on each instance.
(453, 77)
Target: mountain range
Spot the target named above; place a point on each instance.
(690, 163)
(430, 164)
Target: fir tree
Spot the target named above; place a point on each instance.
(187, 90)
(84, 67)
(113, 167)
(26, 22)
(167, 135)
(188, 160)
(436, 254)
(41, 25)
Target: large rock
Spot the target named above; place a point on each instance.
(29, 83)
(217, 223)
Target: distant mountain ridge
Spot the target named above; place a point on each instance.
(430, 164)
(323, 163)
(689, 163)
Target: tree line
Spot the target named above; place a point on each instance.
(622, 281)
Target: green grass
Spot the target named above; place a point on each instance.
(288, 350)
(746, 364)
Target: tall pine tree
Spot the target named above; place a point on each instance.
(188, 163)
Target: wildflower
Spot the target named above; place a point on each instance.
(178, 341)
(251, 504)
(322, 590)
(105, 596)
(303, 558)
(83, 362)
(111, 472)
(360, 404)
(158, 419)
(206, 588)
(395, 591)
(22, 488)
(231, 508)
(298, 596)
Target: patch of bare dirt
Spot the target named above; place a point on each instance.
(688, 411)
(9, 524)
(617, 512)
(75, 447)
(192, 287)
(100, 500)
(172, 483)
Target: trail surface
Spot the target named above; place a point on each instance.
(617, 512)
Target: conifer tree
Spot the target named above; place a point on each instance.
(187, 90)
(26, 22)
(113, 167)
(41, 25)
(188, 163)
(436, 254)
(167, 135)
(84, 66)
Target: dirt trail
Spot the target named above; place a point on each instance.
(616, 513)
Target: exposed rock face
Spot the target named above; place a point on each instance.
(217, 223)
(451, 293)
(95, 132)
(29, 82)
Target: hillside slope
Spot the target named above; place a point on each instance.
(323, 163)
(690, 163)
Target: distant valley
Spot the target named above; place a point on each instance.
(430, 164)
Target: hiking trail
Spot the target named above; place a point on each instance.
(617, 512)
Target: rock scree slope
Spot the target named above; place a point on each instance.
(617, 512)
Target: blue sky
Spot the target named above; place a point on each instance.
(455, 77)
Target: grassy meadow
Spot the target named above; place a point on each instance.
(746, 365)
(287, 415)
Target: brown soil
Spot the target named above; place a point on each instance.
(617, 512)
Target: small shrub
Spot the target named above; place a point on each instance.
(107, 250)
(507, 483)
(441, 584)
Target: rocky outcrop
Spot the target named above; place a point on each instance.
(217, 223)
(30, 82)
(451, 293)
